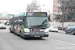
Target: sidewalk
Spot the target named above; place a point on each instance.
(60, 31)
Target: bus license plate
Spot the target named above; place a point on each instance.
(37, 36)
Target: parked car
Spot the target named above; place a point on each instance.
(70, 29)
(64, 27)
(53, 28)
(59, 27)
(6, 23)
(2, 26)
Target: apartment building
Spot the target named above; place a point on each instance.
(55, 8)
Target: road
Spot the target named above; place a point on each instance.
(56, 41)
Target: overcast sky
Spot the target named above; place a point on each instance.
(18, 6)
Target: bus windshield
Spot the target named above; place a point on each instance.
(37, 22)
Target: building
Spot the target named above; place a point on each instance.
(55, 8)
(57, 11)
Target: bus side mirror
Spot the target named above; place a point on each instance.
(48, 18)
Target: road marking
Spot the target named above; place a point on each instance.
(64, 41)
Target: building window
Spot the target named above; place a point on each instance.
(59, 10)
(54, 7)
(54, 3)
(54, 11)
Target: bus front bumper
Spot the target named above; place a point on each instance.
(36, 34)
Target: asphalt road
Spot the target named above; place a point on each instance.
(56, 41)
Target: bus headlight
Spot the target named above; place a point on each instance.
(26, 30)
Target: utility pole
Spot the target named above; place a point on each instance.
(13, 21)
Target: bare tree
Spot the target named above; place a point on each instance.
(33, 6)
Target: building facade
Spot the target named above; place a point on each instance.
(56, 11)
(68, 10)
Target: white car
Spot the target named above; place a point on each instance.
(2, 26)
(52, 28)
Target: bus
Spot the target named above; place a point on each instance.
(30, 24)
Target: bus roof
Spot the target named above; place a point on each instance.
(24, 14)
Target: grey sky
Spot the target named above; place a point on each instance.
(19, 6)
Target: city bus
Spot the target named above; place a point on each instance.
(30, 24)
